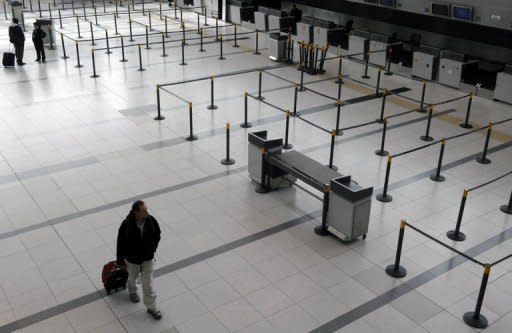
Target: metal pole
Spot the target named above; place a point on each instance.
(260, 78)
(50, 32)
(302, 79)
(377, 89)
(64, 56)
(198, 24)
(115, 24)
(166, 29)
(140, 59)
(60, 18)
(131, 32)
(366, 60)
(322, 229)
(383, 106)
(78, 65)
(104, 7)
(423, 91)
(483, 158)
(456, 234)
(295, 96)
(286, 132)
(437, 176)
(221, 57)
(507, 209)
(108, 43)
(228, 160)
(388, 64)
(339, 102)
(183, 32)
(331, 153)
(117, 10)
(201, 49)
(123, 59)
(212, 105)
(396, 270)
(183, 63)
(149, 20)
(256, 50)
(143, 9)
(159, 115)
(163, 46)
(73, 7)
(427, 136)
(94, 75)
(147, 38)
(466, 123)
(95, 16)
(85, 12)
(205, 17)
(39, 6)
(216, 29)
(245, 124)
(475, 318)
(340, 82)
(235, 44)
(92, 33)
(381, 151)
(191, 136)
(78, 26)
(384, 196)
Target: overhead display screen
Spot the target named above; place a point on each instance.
(462, 12)
(441, 9)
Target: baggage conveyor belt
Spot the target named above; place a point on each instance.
(304, 168)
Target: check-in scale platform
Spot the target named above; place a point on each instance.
(346, 204)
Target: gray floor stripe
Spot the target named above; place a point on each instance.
(62, 308)
(414, 283)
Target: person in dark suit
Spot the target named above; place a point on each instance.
(17, 37)
(37, 38)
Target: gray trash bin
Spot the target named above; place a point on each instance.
(277, 46)
(47, 27)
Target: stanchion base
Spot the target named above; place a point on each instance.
(379, 121)
(384, 198)
(335, 168)
(338, 82)
(467, 126)
(109, 52)
(202, 50)
(288, 146)
(436, 178)
(66, 57)
(191, 138)
(302, 89)
(396, 273)
(456, 236)
(164, 55)
(212, 107)
(388, 73)
(422, 110)
(236, 45)
(147, 48)
(227, 162)
(123, 60)
(320, 230)
(51, 48)
(257, 53)
(159, 118)
(222, 58)
(141, 70)
(483, 160)
(94, 76)
(79, 66)
(260, 98)
(469, 319)
(381, 152)
(183, 64)
(426, 138)
(506, 209)
(339, 132)
(246, 125)
(365, 77)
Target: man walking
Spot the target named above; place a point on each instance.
(137, 241)
(37, 38)
(17, 37)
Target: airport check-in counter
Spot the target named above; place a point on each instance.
(327, 33)
(348, 204)
(359, 42)
(261, 18)
(503, 90)
(305, 30)
(425, 63)
(378, 42)
(277, 46)
(278, 20)
(452, 67)
(240, 11)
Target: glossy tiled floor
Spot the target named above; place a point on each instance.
(76, 151)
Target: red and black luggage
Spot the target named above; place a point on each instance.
(114, 276)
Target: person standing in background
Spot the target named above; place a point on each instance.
(37, 38)
(17, 37)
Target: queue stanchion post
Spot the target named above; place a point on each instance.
(257, 43)
(198, 23)
(456, 234)
(366, 63)
(159, 114)
(92, 33)
(466, 123)
(131, 30)
(221, 41)
(340, 82)
(384, 196)
(322, 229)
(475, 318)
(104, 7)
(201, 49)
(217, 29)
(246, 124)
(381, 151)
(377, 88)
(141, 69)
(143, 8)
(331, 151)
(95, 15)
(160, 10)
(183, 63)
(205, 17)
(78, 64)
(84, 11)
(422, 101)
(396, 270)
(107, 42)
(191, 136)
(181, 14)
(175, 10)
(212, 105)
(263, 186)
(295, 97)
(73, 7)
(388, 63)
(78, 26)
(50, 11)
(163, 46)
(166, 28)
(123, 59)
(301, 88)
(147, 38)
(5, 9)
(115, 25)
(129, 12)
(427, 136)
(287, 145)
(64, 55)
(93, 58)
(339, 103)
(260, 79)
(383, 106)
(50, 31)
(149, 21)
(39, 8)
(482, 159)
(60, 17)
(507, 209)
(437, 177)
(116, 13)
(236, 38)
(183, 32)
(228, 160)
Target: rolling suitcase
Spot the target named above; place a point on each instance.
(8, 59)
(114, 276)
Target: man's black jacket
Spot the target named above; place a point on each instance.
(38, 35)
(134, 248)
(16, 35)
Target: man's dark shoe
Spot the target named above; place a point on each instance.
(155, 313)
(21, 64)
(37, 60)
(134, 298)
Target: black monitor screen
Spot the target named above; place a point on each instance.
(462, 12)
(439, 8)
(389, 3)
(371, 1)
